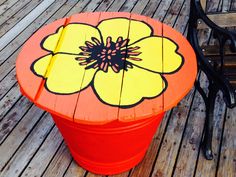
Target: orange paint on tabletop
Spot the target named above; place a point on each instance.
(93, 68)
(32, 50)
(179, 83)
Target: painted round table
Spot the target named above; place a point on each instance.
(107, 79)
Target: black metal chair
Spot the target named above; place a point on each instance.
(214, 69)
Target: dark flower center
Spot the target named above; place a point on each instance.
(112, 54)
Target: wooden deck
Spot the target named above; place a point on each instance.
(30, 144)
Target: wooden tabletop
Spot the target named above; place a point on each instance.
(97, 67)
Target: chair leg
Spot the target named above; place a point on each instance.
(209, 122)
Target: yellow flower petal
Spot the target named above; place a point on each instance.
(75, 35)
(66, 75)
(125, 28)
(115, 28)
(151, 55)
(50, 42)
(71, 38)
(40, 66)
(172, 60)
(138, 84)
(138, 30)
(107, 85)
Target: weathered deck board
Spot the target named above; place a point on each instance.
(13, 32)
(7, 24)
(25, 152)
(209, 167)
(227, 161)
(191, 138)
(33, 146)
(6, 5)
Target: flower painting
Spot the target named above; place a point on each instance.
(109, 60)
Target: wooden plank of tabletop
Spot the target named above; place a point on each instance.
(82, 111)
(146, 108)
(227, 160)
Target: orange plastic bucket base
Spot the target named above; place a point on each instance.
(108, 169)
(111, 148)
